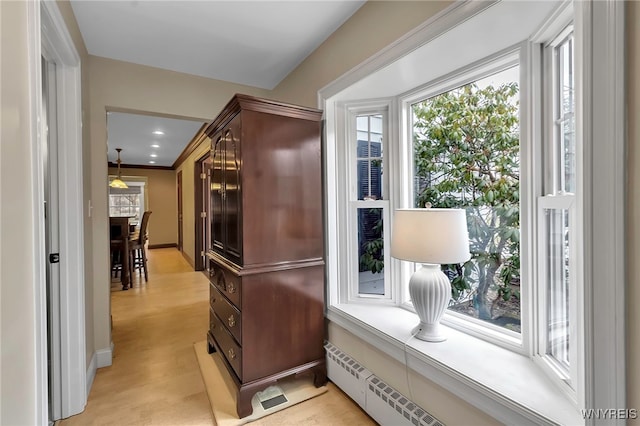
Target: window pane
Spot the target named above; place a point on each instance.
(467, 154)
(566, 147)
(370, 251)
(557, 230)
(125, 204)
(369, 157)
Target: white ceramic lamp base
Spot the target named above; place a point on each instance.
(430, 292)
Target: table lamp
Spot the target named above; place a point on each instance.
(433, 237)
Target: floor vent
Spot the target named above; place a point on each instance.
(382, 402)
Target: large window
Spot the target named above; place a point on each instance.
(466, 154)
(502, 126)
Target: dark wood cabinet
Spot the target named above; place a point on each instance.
(266, 260)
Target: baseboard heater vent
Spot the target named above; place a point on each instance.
(347, 374)
(383, 403)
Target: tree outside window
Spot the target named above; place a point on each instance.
(466, 155)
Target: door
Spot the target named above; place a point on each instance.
(52, 238)
(180, 210)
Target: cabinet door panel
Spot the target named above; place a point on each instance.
(217, 179)
(232, 193)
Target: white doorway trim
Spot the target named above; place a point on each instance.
(49, 31)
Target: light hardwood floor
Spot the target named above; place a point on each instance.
(155, 379)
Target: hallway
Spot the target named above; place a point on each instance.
(155, 378)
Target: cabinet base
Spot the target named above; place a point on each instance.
(246, 391)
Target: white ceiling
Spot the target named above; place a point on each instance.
(134, 133)
(257, 43)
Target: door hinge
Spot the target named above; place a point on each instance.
(203, 215)
(54, 258)
(203, 176)
(202, 253)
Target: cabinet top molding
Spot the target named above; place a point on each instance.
(241, 102)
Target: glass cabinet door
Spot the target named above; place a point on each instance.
(232, 202)
(217, 189)
(226, 219)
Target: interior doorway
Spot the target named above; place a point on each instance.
(62, 378)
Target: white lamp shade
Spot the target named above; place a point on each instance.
(431, 235)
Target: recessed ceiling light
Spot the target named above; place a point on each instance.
(158, 132)
(153, 155)
(155, 145)
(152, 162)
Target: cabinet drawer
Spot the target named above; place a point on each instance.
(231, 350)
(228, 313)
(228, 283)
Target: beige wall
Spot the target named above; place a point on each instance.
(633, 203)
(122, 86)
(17, 278)
(161, 196)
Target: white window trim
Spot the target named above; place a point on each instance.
(351, 111)
(557, 28)
(599, 32)
(599, 36)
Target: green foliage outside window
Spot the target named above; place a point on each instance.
(466, 148)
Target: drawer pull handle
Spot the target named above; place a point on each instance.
(231, 287)
(231, 321)
(232, 354)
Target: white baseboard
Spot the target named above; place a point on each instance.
(104, 357)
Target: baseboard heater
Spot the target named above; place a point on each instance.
(383, 403)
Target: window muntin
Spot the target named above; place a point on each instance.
(466, 154)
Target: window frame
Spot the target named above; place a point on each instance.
(599, 29)
(349, 248)
(139, 181)
(553, 197)
(513, 56)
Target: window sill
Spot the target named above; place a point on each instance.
(469, 367)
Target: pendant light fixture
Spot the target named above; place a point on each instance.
(118, 182)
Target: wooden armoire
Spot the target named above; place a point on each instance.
(266, 260)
